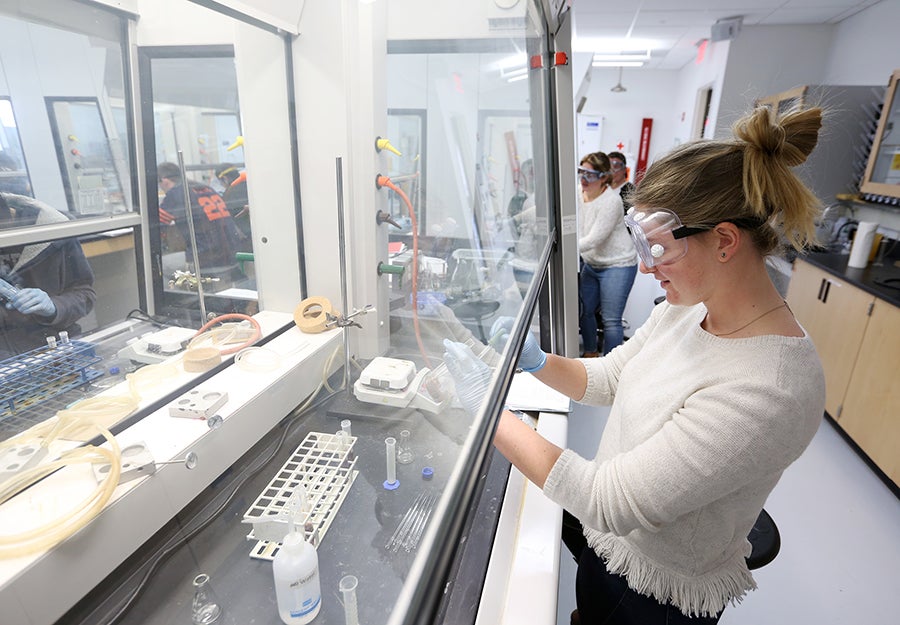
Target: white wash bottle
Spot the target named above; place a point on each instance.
(296, 570)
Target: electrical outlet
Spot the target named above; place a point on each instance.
(198, 404)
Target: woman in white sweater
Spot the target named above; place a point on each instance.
(609, 263)
(711, 399)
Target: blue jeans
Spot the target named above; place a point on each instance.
(605, 289)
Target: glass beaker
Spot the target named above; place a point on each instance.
(205, 607)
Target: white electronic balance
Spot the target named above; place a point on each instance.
(395, 382)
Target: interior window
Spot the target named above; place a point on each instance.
(63, 76)
(89, 173)
(13, 171)
(206, 254)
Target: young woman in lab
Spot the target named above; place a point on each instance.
(711, 399)
(609, 263)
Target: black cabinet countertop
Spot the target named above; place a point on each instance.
(882, 281)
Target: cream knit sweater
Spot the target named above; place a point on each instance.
(603, 239)
(700, 430)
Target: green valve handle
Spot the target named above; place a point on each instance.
(397, 270)
(243, 257)
(384, 268)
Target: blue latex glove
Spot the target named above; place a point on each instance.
(471, 375)
(532, 357)
(32, 302)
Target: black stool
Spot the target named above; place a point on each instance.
(765, 541)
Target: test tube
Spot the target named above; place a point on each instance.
(390, 448)
(343, 441)
(405, 453)
(348, 591)
(51, 342)
(63, 337)
(345, 425)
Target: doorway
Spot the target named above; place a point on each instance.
(701, 112)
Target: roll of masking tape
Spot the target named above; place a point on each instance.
(200, 359)
(311, 314)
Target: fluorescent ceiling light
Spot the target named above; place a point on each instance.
(608, 45)
(514, 72)
(617, 64)
(511, 61)
(622, 57)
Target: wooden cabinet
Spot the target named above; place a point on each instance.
(835, 314)
(870, 414)
(857, 336)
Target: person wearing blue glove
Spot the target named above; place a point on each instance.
(32, 302)
(471, 375)
(45, 287)
(712, 398)
(531, 359)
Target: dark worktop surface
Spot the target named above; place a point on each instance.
(882, 281)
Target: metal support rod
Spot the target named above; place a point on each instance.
(404, 177)
(189, 215)
(345, 304)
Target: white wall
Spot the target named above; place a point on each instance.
(864, 48)
(406, 81)
(766, 60)
(706, 73)
(460, 19)
(181, 23)
(622, 112)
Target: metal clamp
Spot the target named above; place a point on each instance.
(342, 321)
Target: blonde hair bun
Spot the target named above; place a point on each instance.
(790, 137)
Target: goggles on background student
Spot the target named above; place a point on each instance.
(589, 175)
(616, 165)
(659, 235)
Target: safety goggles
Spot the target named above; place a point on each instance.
(589, 175)
(617, 165)
(659, 235)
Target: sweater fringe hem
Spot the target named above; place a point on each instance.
(703, 595)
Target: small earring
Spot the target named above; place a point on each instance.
(723, 254)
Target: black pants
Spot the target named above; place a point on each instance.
(604, 598)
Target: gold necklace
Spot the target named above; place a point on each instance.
(783, 304)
